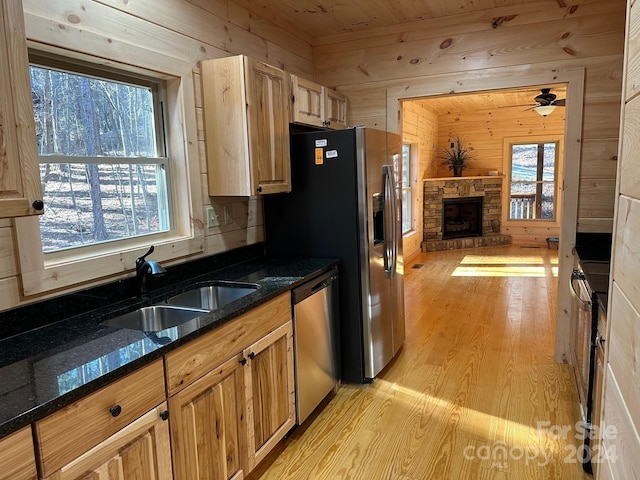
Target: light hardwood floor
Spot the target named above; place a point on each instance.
(466, 394)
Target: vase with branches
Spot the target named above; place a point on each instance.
(456, 156)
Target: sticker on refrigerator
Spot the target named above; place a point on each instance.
(331, 154)
(319, 156)
(321, 142)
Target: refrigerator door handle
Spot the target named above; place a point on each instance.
(389, 220)
(394, 222)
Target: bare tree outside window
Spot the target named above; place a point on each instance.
(101, 173)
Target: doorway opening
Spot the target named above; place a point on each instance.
(508, 78)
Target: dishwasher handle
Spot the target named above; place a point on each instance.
(313, 286)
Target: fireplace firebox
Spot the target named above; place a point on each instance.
(462, 217)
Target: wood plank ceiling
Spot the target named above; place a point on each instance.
(313, 19)
(522, 98)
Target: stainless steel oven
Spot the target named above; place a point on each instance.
(588, 280)
(581, 339)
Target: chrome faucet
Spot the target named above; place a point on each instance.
(144, 267)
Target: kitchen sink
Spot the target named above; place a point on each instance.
(213, 295)
(154, 318)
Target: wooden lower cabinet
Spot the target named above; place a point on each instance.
(227, 421)
(17, 460)
(140, 451)
(208, 431)
(269, 379)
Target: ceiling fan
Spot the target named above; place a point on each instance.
(546, 102)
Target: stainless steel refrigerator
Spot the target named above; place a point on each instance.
(345, 203)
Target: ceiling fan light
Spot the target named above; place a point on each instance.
(544, 110)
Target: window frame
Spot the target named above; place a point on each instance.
(413, 147)
(89, 265)
(161, 140)
(507, 165)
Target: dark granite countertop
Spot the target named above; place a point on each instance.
(55, 364)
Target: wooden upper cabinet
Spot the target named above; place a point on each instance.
(20, 189)
(269, 380)
(17, 460)
(246, 127)
(315, 105)
(335, 105)
(307, 99)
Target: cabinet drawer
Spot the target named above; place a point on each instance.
(17, 461)
(202, 355)
(70, 432)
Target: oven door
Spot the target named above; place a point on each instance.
(581, 338)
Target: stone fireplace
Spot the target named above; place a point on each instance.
(462, 212)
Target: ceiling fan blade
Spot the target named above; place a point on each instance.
(560, 103)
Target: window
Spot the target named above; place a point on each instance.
(103, 166)
(533, 178)
(407, 194)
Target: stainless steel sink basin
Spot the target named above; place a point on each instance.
(154, 318)
(213, 295)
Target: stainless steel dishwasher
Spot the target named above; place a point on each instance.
(315, 313)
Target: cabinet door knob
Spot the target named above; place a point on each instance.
(243, 361)
(164, 415)
(115, 410)
(259, 188)
(38, 205)
(251, 355)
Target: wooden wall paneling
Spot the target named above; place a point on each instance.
(7, 253)
(599, 158)
(604, 77)
(194, 22)
(632, 86)
(10, 295)
(601, 118)
(624, 355)
(624, 444)
(596, 198)
(288, 38)
(626, 254)
(485, 131)
(587, 37)
(102, 32)
(629, 171)
(420, 129)
(237, 238)
(599, 225)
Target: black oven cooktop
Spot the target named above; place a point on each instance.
(596, 274)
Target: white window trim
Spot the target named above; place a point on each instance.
(413, 184)
(532, 223)
(90, 265)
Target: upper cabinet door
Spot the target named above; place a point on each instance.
(268, 118)
(246, 127)
(20, 190)
(307, 100)
(315, 105)
(335, 109)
